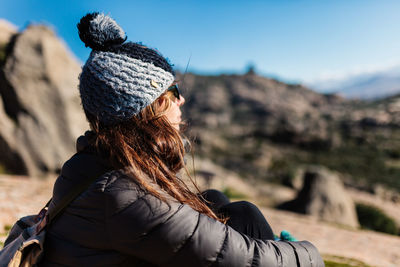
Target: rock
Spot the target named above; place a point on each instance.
(6, 31)
(296, 181)
(249, 112)
(40, 112)
(323, 195)
(235, 118)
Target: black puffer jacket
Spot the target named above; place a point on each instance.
(115, 223)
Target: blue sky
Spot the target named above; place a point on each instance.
(295, 40)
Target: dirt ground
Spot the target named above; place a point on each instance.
(370, 247)
(21, 195)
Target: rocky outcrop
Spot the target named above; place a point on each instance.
(6, 31)
(239, 121)
(258, 106)
(40, 113)
(264, 129)
(323, 195)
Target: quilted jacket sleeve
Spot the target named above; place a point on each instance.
(177, 235)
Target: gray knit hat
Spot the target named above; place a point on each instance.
(119, 78)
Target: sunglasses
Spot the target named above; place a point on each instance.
(174, 89)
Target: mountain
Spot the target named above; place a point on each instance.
(364, 86)
(265, 129)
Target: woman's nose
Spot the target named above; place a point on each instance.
(181, 100)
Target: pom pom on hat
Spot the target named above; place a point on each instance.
(99, 31)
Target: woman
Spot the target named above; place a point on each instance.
(138, 212)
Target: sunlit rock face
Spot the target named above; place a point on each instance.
(323, 195)
(40, 113)
(6, 31)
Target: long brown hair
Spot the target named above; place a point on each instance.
(148, 146)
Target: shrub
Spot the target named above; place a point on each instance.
(337, 264)
(283, 171)
(375, 219)
(338, 261)
(233, 194)
(7, 228)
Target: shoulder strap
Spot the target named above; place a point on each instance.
(75, 192)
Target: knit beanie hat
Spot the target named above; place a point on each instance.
(119, 78)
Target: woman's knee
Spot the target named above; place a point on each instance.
(212, 193)
(246, 218)
(215, 199)
(243, 208)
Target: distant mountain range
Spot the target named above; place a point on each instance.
(363, 86)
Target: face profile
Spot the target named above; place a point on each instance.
(174, 113)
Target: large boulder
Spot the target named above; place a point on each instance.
(40, 113)
(7, 30)
(323, 195)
